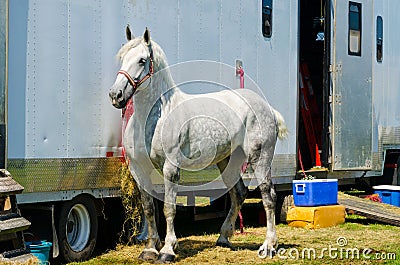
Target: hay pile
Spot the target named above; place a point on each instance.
(130, 196)
(29, 261)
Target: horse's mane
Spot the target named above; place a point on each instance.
(159, 57)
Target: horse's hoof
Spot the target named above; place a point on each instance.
(148, 256)
(225, 245)
(165, 258)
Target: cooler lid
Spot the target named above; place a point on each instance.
(386, 187)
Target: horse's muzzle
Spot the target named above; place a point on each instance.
(117, 98)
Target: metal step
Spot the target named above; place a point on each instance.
(8, 186)
(23, 259)
(12, 222)
(17, 256)
(15, 253)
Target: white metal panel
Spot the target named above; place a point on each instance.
(352, 90)
(277, 71)
(62, 109)
(199, 30)
(386, 83)
(69, 52)
(386, 78)
(84, 73)
(46, 79)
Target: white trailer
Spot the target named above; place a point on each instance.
(64, 136)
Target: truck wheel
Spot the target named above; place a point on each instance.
(77, 229)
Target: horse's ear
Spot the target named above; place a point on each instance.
(128, 33)
(146, 36)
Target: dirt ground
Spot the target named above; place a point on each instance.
(358, 241)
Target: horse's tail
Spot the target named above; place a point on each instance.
(282, 129)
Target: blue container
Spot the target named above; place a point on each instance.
(389, 194)
(41, 250)
(315, 192)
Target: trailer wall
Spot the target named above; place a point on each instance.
(386, 81)
(62, 63)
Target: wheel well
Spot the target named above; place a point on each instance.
(99, 203)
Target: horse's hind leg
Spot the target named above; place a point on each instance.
(153, 244)
(237, 194)
(268, 194)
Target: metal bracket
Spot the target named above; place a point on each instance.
(239, 65)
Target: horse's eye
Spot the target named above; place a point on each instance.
(142, 61)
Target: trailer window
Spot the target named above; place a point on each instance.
(354, 47)
(379, 39)
(266, 18)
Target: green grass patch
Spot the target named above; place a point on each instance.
(197, 245)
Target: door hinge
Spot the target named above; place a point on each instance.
(335, 68)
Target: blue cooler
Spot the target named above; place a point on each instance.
(389, 194)
(41, 250)
(315, 192)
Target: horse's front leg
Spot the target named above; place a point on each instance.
(171, 178)
(153, 244)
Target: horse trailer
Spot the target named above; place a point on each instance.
(330, 67)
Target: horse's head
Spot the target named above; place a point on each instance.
(136, 68)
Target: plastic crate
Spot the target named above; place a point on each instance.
(389, 194)
(315, 192)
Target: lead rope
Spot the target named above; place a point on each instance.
(301, 164)
(240, 72)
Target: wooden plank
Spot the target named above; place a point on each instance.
(373, 210)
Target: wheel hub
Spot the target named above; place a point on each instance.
(78, 227)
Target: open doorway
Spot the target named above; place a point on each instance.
(311, 143)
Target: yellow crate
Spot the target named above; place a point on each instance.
(316, 217)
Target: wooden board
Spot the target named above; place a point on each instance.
(373, 210)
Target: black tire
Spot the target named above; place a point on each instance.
(77, 229)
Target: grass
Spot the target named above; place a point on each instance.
(296, 245)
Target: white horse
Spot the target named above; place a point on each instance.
(171, 130)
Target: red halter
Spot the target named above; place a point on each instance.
(134, 83)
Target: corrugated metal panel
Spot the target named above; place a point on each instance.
(49, 175)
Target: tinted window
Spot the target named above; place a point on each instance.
(266, 25)
(354, 45)
(379, 39)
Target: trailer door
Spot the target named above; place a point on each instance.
(351, 81)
